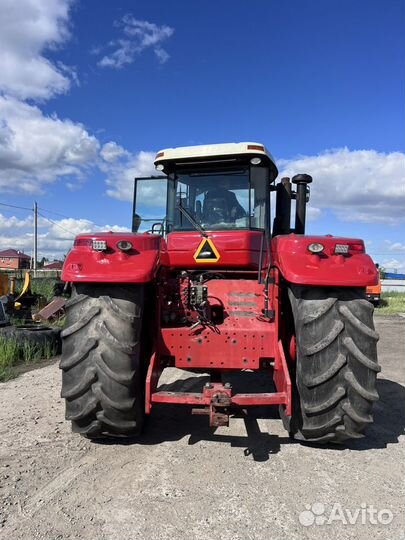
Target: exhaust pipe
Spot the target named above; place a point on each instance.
(282, 220)
(302, 180)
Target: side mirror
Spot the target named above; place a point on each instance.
(136, 221)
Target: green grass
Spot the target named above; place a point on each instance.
(14, 355)
(391, 303)
(42, 286)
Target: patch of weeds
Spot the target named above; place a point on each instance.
(14, 353)
(391, 303)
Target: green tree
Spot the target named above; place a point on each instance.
(42, 262)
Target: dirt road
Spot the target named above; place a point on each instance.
(181, 481)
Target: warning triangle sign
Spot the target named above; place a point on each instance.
(206, 252)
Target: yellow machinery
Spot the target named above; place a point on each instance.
(7, 287)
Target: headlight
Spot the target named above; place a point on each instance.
(255, 160)
(316, 247)
(124, 245)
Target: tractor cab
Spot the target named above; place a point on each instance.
(208, 188)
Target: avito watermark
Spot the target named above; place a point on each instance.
(317, 514)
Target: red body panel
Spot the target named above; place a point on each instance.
(241, 341)
(139, 265)
(237, 249)
(297, 265)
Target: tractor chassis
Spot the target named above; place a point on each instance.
(217, 400)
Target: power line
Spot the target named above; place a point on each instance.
(14, 213)
(19, 207)
(57, 225)
(68, 217)
(40, 208)
(54, 213)
(46, 218)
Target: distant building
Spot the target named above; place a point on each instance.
(11, 259)
(54, 265)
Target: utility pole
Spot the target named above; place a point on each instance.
(35, 236)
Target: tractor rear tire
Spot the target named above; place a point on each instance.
(102, 380)
(336, 366)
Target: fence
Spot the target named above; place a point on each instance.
(20, 274)
(393, 285)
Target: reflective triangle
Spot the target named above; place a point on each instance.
(206, 252)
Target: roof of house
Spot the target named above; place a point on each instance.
(54, 265)
(14, 253)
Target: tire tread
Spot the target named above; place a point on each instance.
(336, 364)
(101, 375)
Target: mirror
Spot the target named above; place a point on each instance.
(149, 204)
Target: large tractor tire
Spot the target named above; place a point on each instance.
(336, 365)
(102, 380)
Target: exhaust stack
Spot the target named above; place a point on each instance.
(301, 180)
(283, 208)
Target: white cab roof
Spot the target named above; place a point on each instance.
(212, 150)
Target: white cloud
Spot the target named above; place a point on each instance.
(54, 239)
(120, 177)
(27, 29)
(396, 246)
(313, 213)
(14, 223)
(393, 265)
(162, 55)
(112, 151)
(360, 185)
(65, 229)
(137, 36)
(36, 149)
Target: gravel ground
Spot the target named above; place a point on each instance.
(183, 481)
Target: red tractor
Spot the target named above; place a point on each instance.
(211, 287)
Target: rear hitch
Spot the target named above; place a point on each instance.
(216, 399)
(220, 401)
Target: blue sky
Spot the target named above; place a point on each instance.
(321, 83)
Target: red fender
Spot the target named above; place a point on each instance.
(138, 265)
(298, 265)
